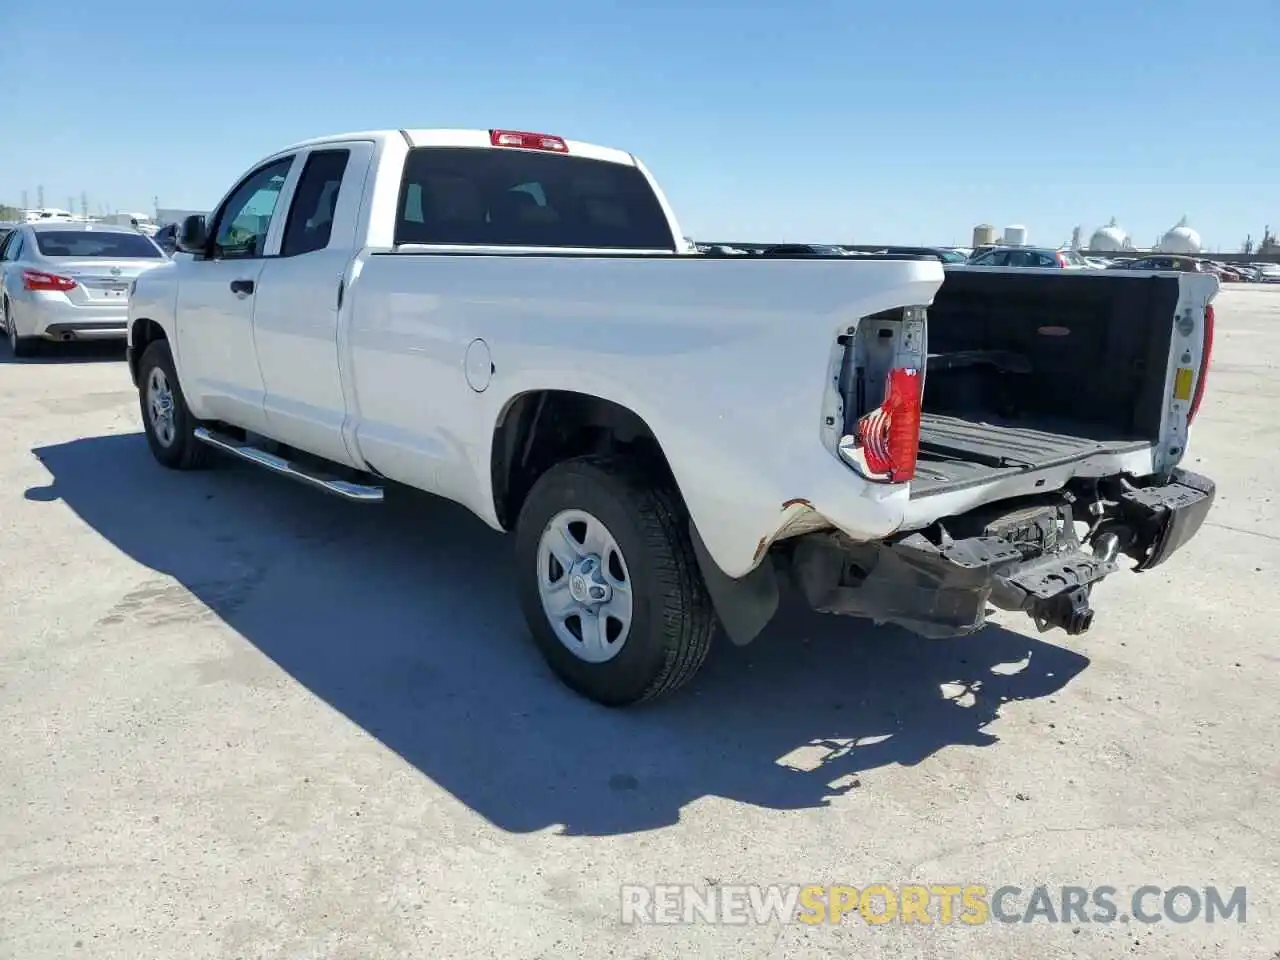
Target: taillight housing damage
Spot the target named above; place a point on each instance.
(887, 439)
(1204, 364)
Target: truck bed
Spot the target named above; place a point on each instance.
(1036, 369)
(956, 453)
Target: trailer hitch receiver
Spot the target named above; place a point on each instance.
(1069, 610)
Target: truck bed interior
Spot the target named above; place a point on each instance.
(1033, 370)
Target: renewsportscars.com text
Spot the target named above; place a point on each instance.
(970, 904)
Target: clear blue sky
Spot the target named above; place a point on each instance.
(829, 120)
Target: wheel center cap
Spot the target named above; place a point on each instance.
(585, 583)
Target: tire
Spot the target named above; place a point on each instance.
(671, 619)
(19, 346)
(174, 445)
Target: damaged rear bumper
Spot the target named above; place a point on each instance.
(1024, 557)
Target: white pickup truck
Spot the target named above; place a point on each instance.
(514, 321)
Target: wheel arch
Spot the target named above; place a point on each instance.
(567, 424)
(142, 333)
(537, 428)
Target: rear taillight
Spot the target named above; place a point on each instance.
(39, 280)
(889, 436)
(1204, 364)
(527, 141)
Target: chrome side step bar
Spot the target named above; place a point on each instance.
(342, 488)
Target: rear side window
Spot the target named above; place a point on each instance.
(90, 243)
(310, 220)
(522, 198)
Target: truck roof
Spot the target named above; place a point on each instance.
(444, 137)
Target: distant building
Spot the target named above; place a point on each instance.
(1015, 235)
(168, 215)
(984, 234)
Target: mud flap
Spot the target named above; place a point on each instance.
(745, 606)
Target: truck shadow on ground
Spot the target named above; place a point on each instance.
(403, 618)
(85, 351)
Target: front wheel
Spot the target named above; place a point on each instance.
(609, 583)
(166, 420)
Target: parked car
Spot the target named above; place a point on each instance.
(670, 437)
(802, 250)
(945, 254)
(722, 249)
(1163, 261)
(1268, 272)
(1229, 273)
(1030, 257)
(65, 280)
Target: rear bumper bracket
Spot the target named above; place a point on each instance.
(1026, 559)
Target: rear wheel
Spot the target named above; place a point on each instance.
(609, 584)
(18, 346)
(168, 423)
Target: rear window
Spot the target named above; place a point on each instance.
(521, 198)
(88, 243)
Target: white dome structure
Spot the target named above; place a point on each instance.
(1180, 239)
(1110, 238)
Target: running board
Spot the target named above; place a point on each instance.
(342, 488)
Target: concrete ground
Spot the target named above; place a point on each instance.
(244, 720)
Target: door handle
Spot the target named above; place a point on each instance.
(242, 288)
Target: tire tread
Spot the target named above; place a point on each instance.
(192, 454)
(688, 617)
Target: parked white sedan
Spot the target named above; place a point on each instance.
(70, 281)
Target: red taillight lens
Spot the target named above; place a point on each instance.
(527, 141)
(1204, 364)
(889, 436)
(39, 280)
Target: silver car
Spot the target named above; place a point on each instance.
(1042, 257)
(70, 281)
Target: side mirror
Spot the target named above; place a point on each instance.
(193, 236)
